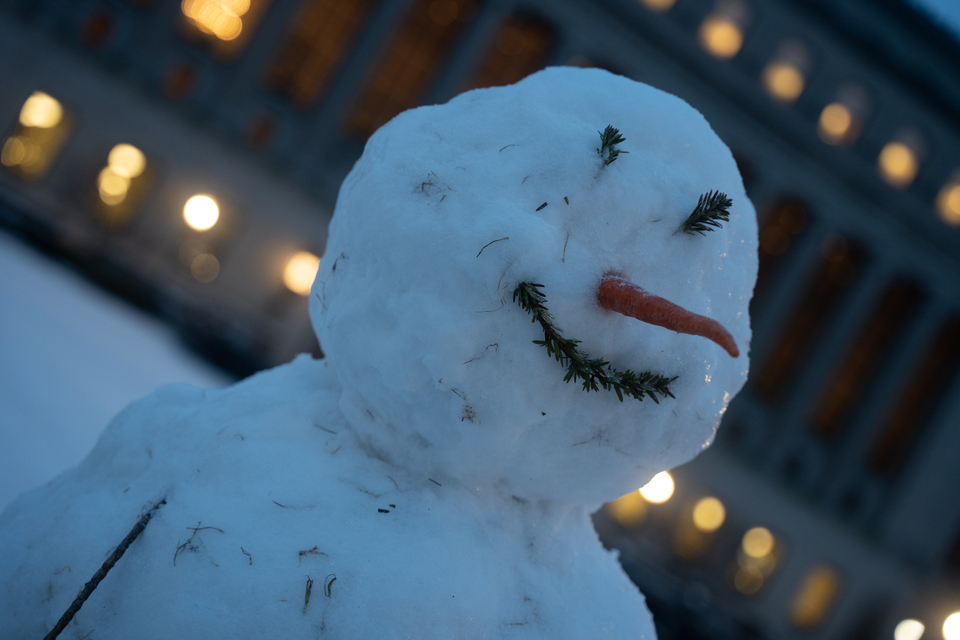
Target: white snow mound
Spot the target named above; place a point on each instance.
(433, 477)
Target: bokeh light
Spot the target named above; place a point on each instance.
(205, 267)
(909, 629)
(126, 160)
(948, 202)
(658, 5)
(708, 514)
(221, 18)
(835, 123)
(300, 272)
(659, 489)
(112, 186)
(783, 81)
(898, 164)
(629, 510)
(951, 626)
(721, 36)
(757, 542)
(41, 110)
(201, 212)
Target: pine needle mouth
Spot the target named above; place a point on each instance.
(621, 295)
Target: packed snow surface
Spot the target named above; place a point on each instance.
(433, 477)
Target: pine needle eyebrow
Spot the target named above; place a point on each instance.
(713, 208)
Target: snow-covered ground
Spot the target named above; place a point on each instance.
(71, 357)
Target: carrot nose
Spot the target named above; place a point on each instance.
(624, 297)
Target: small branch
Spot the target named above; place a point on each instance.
(490, 243)
(102, 572)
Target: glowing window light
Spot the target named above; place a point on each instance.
(205, 267)
(898, 164)
(300, 272)
(835, 123)
(757, 542)
(909, 629)
(708, 514)
(659, 489)
(951, 626)
(201, 212)
(112, 186)
(126, 160)
(659, 5)
(41, 110)
(220, 18)
(813, 599)
(948, 202)
(783, 80)
(722, 37)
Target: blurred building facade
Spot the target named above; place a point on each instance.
(187, 156)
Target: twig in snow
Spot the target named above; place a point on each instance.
(102, 572)
(328, 584)
(490, 243)
(306, 595)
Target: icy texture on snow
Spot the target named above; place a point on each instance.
(437, 359)
(435, 464)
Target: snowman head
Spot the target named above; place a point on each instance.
(460, 221)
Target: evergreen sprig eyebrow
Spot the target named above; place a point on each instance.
(712, 208)
(596, 373)
(609, 138)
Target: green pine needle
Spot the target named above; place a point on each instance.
(608, 139)
(594, 372)
(712, 207)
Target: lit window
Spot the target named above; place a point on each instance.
(40, 132)
(300, 272)
(659, 489)
(813, 599)
(948, 201)
(899, 160)
(909, 629)
(721, 32)
(708, 514)
(410, 61)
(201, 212)
(226, 24)
(629, 510)
(658, 5)
(315, 46)
(519, 48)
(120, 184)
(951, 626)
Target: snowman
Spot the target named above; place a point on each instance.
(533, 299)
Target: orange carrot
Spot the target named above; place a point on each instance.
(622, 296)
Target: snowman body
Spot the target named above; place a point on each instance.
(433, 477)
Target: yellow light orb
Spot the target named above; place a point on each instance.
(708, 514)
(951, 626)
(205, 267)
(948, 203)
(14, 152)
(112, 186)
(908, 629)
(300, 272)
(659, 5)
(629, 510)
(201, 212)
(783, 81)
(758, 542)
(835, 123)
(659, 489)
(41, 110)
(897, 164)
(748, 580)
(721, 37)
(126, 160)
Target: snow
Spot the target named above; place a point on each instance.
(71, 357)
(433, 477)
